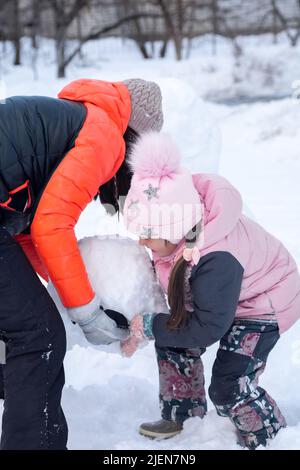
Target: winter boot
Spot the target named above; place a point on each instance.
(239, 439)
(249, 441)
(161, 429)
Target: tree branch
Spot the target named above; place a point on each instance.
(106, 29)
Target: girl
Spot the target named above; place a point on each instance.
(227, 280)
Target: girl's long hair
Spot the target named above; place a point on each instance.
(176, 289)
(112, 194)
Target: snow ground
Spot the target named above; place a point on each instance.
(257, 148)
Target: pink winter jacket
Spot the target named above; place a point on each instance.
(271, 281)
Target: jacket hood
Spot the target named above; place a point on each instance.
(222, 206)
(111, 97)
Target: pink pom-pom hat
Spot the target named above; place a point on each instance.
(162, 202)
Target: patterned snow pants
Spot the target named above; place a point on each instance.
(234, 389)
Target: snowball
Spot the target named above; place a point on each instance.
(122, 276)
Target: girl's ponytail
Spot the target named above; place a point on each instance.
(176, 296)
(176, 289)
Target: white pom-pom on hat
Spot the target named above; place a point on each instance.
(155, 155)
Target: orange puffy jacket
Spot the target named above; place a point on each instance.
(97, 155)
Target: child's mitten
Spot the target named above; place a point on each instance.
(140, 333)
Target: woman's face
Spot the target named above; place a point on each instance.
(160, 247)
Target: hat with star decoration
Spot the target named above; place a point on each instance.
(162, 202)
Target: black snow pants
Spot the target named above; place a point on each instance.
(35, 339)
(1, 383)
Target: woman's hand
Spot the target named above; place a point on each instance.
(100, 326)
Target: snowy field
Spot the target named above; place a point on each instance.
(256, 146)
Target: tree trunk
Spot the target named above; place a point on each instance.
(215, 25)
(79, 34)
(190, 29)
(143, 49)
(163, 50)
(139, 39)
(17, 45)
(173, 25)
(178, 27)
(17, 33)
(36, 14)
(60, 39)
(178, 46)
(60, 54)
(294, 40)
(274, 26)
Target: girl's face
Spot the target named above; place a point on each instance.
(160, 247)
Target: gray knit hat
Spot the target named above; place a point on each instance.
(146, 105)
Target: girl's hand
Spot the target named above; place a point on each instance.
(138, 335)
(130, 345)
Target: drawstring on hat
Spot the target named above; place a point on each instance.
(191, 255)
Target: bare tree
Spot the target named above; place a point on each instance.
(275, 28)
(96, 34)
(290, 26)
(35, 22)
(140, 40)
(215, 24)
(172, 13)
(36, 8)
(17, 31)
(79, 32)
(3, 16)
(65, 12)
(131, 7)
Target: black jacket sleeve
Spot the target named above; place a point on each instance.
(216, 285)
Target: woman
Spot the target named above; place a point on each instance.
(56, 156)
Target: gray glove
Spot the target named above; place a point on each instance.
(97, 327)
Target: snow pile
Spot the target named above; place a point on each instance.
(183, 109)
(122, 276)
